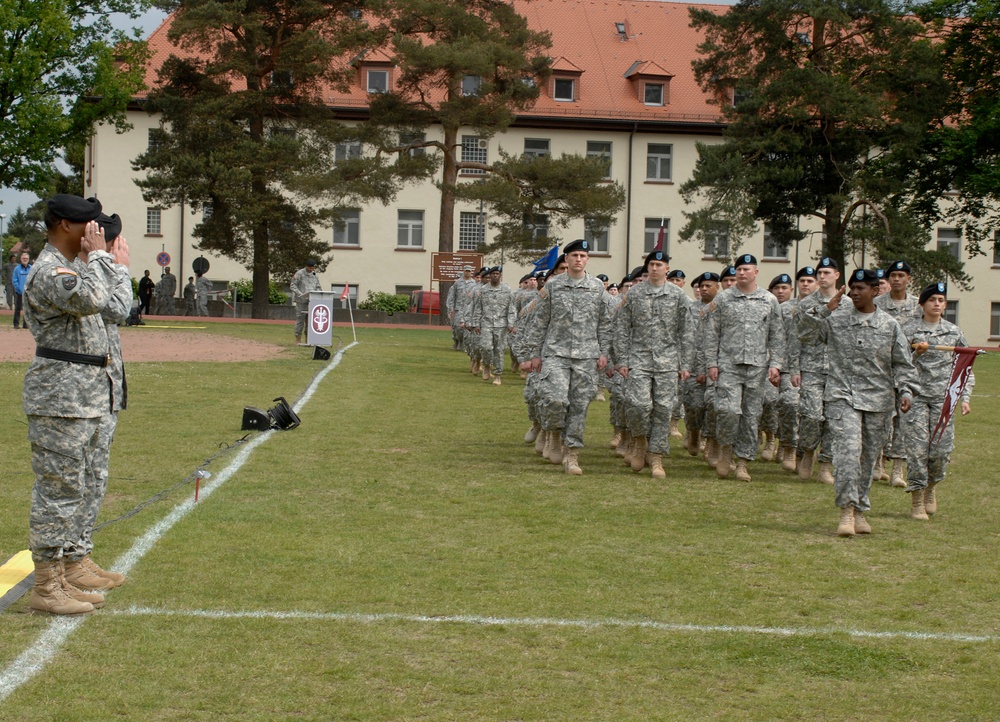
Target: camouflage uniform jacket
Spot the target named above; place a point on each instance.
(302, 283)
(113, 314)
(869, 358)
(652, 330)
(63, 301)
(464, 298)
(902, 311)
(700, 331)
(792, 343)
(572, 320)
(452, 300)
(493, 307)
(525, 318)
(167, 287)
(812, 353)
(744, 328)
(934, 367)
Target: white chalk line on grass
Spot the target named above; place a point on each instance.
(589, 624)
(33, 660)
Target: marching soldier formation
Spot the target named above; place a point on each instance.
(818, 376)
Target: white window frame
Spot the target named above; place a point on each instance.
(994, 320)
(713, 238)
(370, 75)
(647, 87)
(539, 228)
(651, 232)
(409, 231)
(471, 85)
(416, 137)
(347, 229)
(771, 252)
(541, 149)
(562, 97)
(352, 295)
(996, 249)
(474, 150)
(154, 222)
(346, 150)
(952, 239)
(659, 161)
(600, 149)
(599, 238)
(471, 230)
(951, 311)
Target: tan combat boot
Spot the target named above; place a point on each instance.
(77, 574)
(770, 448)
(496, 380)
(48, 594)
(930, 500)
(600, 394)
(555, 448)
(531, 434)
(571, 461)
(788, 460)
(486, 372)
(116, 579)
(918, 509)
(540, 441)
(846, 527)
(623, 446)
(825, 473)
(861, 525)
(616, 439)
(806, 464)
(675, 428)
(742, 473)
(638, 458)
(693, 442)
(896, 479)
(724, 463)
(656, 465)
(712, 452)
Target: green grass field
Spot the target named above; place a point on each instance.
(349, 569)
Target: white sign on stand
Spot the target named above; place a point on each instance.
(320, 319)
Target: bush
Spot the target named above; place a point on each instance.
(389, 302)
(244, 292)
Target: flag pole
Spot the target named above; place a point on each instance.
(958, 349)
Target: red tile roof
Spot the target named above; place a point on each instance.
(585, 40)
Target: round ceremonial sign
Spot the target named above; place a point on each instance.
(320, 319)
(163, 258)
(200, 265)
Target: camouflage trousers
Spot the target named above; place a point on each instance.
(926, 462)
(788, 412)
(494, 345)
(769, 411)
(649, 404)
(102, 460)
(739, 397)
(895, 442)
(532, 398)
(63, 455)
(858, 437)
(814, 431)
(616, 405)
(301, 316)
(693, 398)
(710, 421)
(566, 388)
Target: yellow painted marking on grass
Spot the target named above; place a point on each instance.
(146, 325)
(15, 571)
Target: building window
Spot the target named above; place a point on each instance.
(378, 81)
(652, 234)
(352, 296)
(602, 151)
(153, 222)
(154, 139)
(347, 230)
(717, 242)
(471, 231)
(536, 147)
(471, 85)
(950, 239)
(206, 212)
(996, 248)
(407, 290)
(474, 151)
(994, 320)
(653, 94)
(951, 312)
(658, 161)
(283, 79)
(599, 236)
(410, 229)
(406, 139)
(772, 251)
(538, 226)
(347, 150)
(564, 89)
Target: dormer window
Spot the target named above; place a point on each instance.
(653, 93)
(471, 85)
(651, 82)
(565, 86)
(378, 81)
(564, 89)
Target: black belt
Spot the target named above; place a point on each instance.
(72, 356)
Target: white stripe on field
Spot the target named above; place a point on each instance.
(34, 659)
(550, 622)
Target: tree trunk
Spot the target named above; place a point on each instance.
(446, 223)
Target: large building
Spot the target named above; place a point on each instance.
(622, 88)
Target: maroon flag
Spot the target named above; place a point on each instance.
(346, 293)
(661, 237)
(960, 370)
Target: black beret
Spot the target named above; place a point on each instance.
(935, 289)
(806, 271)
(111, 225)
(898, 266)
(483, 271)
(746, 260)
(625, 279)
(880, 273)
(827, 262)
(636, 272)
(655, 256)
(311, 263)
(580, 244)
(779, 279)
(539, 274)
(74, 208)
(709, 276)
(863, 275)
(727, 272)
(496, 269)
(602, 277)
(525, 277)
(676, 273)
(613, 285)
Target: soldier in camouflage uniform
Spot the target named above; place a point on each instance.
(166, 289)
(525, 294)
(569, 342)
(67, 392)
(204, 289)
(709, 291)
(451, 305)
(493, 317)
(692, 392)
(927, 461)
(791, 376)
(653, 347)
(745, 345)
(868, 365)
(902, 306)
(303, 282)
(781, 288)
